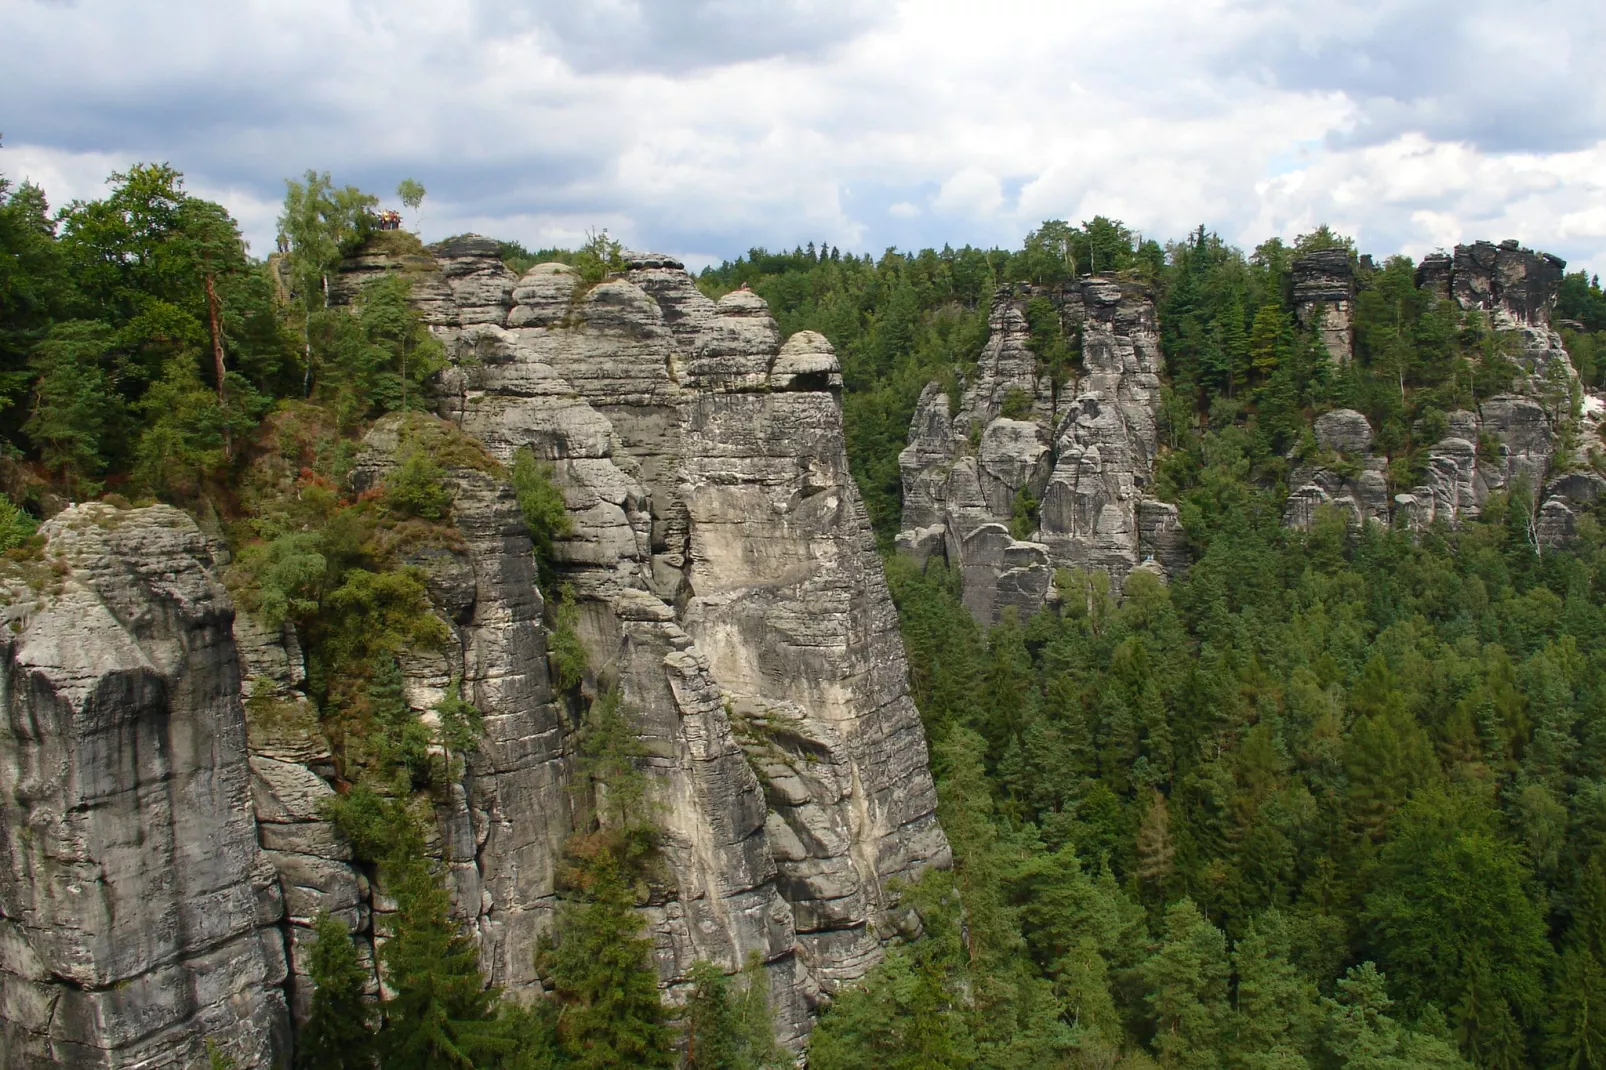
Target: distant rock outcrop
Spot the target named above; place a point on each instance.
(1509, 440)
(1067, 466)
(1324, 299)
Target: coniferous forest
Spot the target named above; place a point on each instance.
(1332, 798)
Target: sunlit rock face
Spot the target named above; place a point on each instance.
(1030, 475)
(726, 584)
(164, 777)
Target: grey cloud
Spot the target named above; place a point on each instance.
(681, 36)
(1504, 77)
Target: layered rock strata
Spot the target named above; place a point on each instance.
(1324, 299)
(1070, 467)
(163, 777)
(727, 587)
(137, 912)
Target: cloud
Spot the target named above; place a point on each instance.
(705, 127)
(972, 192)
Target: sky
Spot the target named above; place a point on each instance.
(702, 128)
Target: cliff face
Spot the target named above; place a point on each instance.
(727, 585)
(136, 910)
(1509, 440)
(1079, 455)
(162, 773)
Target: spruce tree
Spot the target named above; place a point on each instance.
(441, 1015)
(338, 1034)
(601, 972)
(1187, 984)
(728, 1023)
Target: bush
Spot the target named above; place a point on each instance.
(16, 526)
(566, 655)
(417, 486)
(541, 502)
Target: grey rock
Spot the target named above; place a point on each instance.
(1344, 431)
(543, 296)
(131, 916)
(722, 561)
(806, 362)
(1518, 283)
(1084, 453)
(1324, 291)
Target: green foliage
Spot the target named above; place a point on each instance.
(442, 1015)
(600, 973)
(1453, 921)
(541, 502)
(16, 526)
(378, 360)
(338, 1033)
(75, 411)
(417, 485)
(599, 257)
(320, 223)
(411, 192)
(1017, 404)
(462, 722)
(566, 654)
(599, 970)
(1023, 519)
(728, 1025)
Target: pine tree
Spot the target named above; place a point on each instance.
(728, 1024)
(1267, 340)
(338, 1034)
(1575, 1032)
(1276, 1004)
(1154, 850)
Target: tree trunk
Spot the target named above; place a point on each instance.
(217, 363)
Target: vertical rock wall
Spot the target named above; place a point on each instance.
(1324, 300)
(136, 911)
(728, 587)
(163, 772)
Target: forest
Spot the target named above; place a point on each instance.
(1334, 798)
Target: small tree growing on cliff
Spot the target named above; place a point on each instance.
(411, 192)
(338, 1034)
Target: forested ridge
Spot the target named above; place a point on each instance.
(1331, 798)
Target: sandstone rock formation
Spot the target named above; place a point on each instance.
(137, 912)
(728, 586)
(1080, 455)
(1324, 298)
(1510, 439)
(162, 772)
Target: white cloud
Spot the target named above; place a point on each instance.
(702, 127)
(971, 192)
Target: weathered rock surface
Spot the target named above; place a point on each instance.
(164, 774)
(137, 913)
(723, 565)
(1324, 292)
(1081, 453)
(727, 585)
